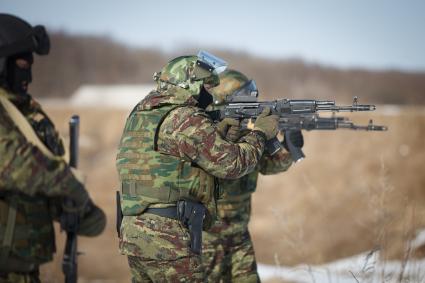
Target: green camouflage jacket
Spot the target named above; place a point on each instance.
(187, 134)
(30, 182)
(235, 204)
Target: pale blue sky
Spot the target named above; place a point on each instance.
(359, 33)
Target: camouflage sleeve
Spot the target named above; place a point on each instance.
(24, 168)
(279, 162)
(190, 133)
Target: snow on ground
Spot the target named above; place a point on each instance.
(360, 268)
(365, 267)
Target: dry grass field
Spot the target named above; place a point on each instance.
(355, 191)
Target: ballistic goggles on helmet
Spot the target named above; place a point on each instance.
(211, 62)
(247, 93)
(208, 66)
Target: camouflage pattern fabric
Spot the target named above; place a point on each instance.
(230, 81)
(187, 269)
(150, 236)
(32, 277)
(160, 249)
(24, 168)
(30, 182)
(188, 134)
(228, 251)
(158, 246)
(154, 173)
(185, 73)
(228, 254)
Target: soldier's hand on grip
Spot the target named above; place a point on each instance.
(268, 124)
(234, 133)
(229, 129)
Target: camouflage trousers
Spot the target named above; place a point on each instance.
(188, 269)
(158, 250)
(12, 277)
(228, 254)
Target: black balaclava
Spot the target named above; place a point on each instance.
(205, 98)
(18, 78)
(3, 82)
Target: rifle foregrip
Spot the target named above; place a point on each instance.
(296, 152)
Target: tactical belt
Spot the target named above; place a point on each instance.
(169, 212)
(162, 194)
(5, 275)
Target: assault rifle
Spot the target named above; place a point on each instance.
(294, 115)
(70, 221)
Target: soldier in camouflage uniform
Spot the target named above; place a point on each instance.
(33, 174)
(228, 254)
(168, 158)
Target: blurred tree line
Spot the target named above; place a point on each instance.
(75, 60)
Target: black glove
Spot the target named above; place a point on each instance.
(92, 222)
(296, 138)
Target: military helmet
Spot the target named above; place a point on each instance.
(18, 36)
(191, 72)
(233, 83)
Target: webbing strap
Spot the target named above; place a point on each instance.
(8, 235)
(134, 189)
(23, 125)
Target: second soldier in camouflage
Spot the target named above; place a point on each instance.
(228, 253)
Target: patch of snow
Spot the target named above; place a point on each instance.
(115, 96)
(365, 267)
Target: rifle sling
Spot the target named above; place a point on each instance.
(24, 127)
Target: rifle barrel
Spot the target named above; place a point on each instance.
(350, 108)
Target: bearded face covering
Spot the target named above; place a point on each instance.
(18, 77)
